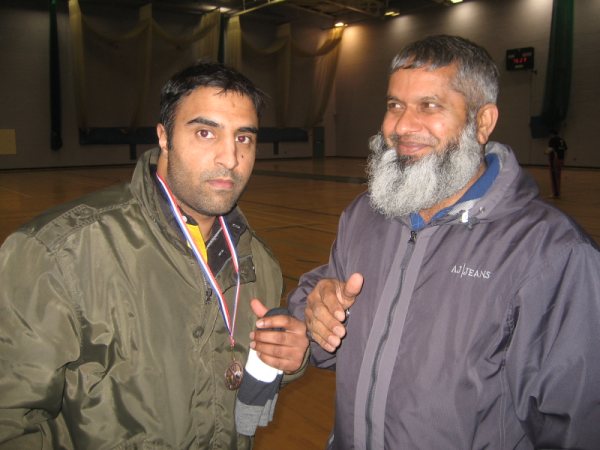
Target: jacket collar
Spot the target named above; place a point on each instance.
(487, 198)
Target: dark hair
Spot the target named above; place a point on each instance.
(204, 74)
(477, 75)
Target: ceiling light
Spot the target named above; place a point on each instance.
(456, 1)
(339, 24)
(391, 13)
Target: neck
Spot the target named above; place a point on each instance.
(428, 214)
(205, 223)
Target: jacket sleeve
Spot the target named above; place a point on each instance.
(552, 366)
(38, 337)
(297, 298)
(297, 305)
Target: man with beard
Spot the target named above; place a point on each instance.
(126, 316)
(458, 309)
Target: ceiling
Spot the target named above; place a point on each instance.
(332, 11)
(322, 13)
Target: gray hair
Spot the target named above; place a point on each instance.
(477, 75)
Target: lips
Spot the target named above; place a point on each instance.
(412, 146)
(409, 148)
(223, 184)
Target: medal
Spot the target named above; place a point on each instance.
(234, 372)
(234, 375)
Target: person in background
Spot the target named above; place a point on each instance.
(125, 316)
(557, 147)
(458, 309)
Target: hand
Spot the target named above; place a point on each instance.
(283, 350)
(326, 307)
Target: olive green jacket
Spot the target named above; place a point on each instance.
(109, 335)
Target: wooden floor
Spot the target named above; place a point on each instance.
(294, 205)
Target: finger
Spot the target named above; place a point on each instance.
(257, 307)
(326, 299)
(324, 312)
(329, 341)
(288, 365)
(279, 338)
(347, 295)
(282, 322)
(321, 333)
(293, 335)
(321, 310)
(282, 350)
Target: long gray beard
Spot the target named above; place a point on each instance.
(400, 186)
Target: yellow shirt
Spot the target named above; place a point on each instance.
(198, 240)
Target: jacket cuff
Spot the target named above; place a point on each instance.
(298, 373)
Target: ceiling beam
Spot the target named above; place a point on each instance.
(376, 13)
(255, 8)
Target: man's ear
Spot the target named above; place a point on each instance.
(163, 142)
(487, 116)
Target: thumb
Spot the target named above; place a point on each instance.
(350, 289)
(353, 286)
(258, 308)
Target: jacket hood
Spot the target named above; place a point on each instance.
(145, 190)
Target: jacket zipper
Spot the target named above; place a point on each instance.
(409, 251)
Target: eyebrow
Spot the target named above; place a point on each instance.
(204, 121)
(431, 98)
(212, 123)
(426, 98)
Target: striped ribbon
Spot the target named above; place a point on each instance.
(229, 321)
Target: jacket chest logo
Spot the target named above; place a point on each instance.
(465, 271)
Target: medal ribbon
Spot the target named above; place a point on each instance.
(229, 321)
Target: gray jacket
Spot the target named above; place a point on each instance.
(481, 330)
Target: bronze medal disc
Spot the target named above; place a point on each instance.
(234, 375)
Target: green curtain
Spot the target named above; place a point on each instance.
(558, 72)
(284, 47)
(203, 41)
(55, 104)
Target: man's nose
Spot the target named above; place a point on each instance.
(227, 155)
(406, 122)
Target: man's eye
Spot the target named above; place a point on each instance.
(207, 134)
(393, 105)
(243, 139)
(430, 105)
